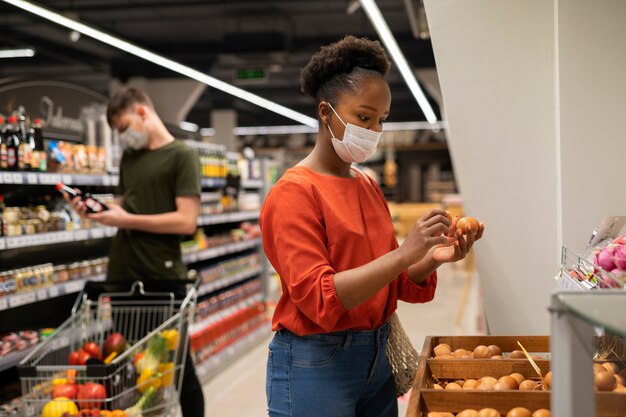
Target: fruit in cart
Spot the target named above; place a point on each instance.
(65, 391)
(167, 373)
(118, 413)
(91, 395)
(73, 358)
(464, 221)
(89, 413)
(155, 353)
(58, 407)
(148, 379)
(143, 403)
(605, 258)
(171, 338)
(115, 342)
(93, 350)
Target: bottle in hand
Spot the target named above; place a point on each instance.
(93, 205)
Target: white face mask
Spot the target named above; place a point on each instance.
(358, 143)
(133, 139)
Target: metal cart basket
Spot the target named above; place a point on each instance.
(143, 380)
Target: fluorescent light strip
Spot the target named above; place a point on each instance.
(373, 13)
(162, 61)
(291, 129)
(17, 53)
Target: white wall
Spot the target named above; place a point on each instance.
(495, 61)
(592, 80)
(535, 95)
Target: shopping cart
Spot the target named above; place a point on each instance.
(143, 380)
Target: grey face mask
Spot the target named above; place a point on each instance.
(134, 139)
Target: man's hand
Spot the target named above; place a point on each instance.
(115, 216)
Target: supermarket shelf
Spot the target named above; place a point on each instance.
(221, 251)
(213, 365)
(14, 358)
(239, 216)
(226, 281)
(229, 311)
(213, 182)
(44, 178)
(252, 184)
(52, 238)
(16, 300)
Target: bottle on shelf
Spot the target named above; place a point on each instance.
(2, 208)
(13, 143)
(93, 205)
(38, 147)
(24, 149)
(4, 165)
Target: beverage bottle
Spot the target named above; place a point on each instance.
(93, 205)
(13, 142)
(2, 208)
(35, 159)
(24, 151)
(3, 146)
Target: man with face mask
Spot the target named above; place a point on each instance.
(159, 191)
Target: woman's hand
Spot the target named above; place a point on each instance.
(460, 246)
(430, 230)
(114, 216)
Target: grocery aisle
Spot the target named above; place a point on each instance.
(240, 389)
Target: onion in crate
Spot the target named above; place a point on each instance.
(442, 349)
(453, 385)
(604, 381)
(495, 350)
(481, 352)
(509, 381)
(518, 377)
(542, 412)
(528, 385)
(468, 413)
(488, 412)
(519, 412)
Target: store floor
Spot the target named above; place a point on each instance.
(240, 389)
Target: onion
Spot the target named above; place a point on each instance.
(604, 259)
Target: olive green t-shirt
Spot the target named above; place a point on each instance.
(150, 181)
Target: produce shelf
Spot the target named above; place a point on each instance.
(213, 365)
(229, 311)
(238, 216)
(16, 300)
(45, 178)
(226, 281)
(221, 251)
(51, 238)
(14, 358)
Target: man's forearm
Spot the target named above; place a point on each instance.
(423, 269)
(173, 222)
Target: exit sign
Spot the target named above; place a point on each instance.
(250, 76)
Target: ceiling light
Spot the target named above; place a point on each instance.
(17, 53)
(189, 127)
(162, 61)
(373, 13)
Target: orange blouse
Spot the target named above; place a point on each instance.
(316, 225)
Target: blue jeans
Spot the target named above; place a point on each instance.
(341, 374)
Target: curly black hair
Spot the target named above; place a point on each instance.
(342, 66)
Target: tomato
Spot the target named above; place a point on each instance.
(82, 357)
(74, 356)
(463, 221)
(93, 349)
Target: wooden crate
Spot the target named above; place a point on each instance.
(424, 399)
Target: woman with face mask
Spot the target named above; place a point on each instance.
(328, 233)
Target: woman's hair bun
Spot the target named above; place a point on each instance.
(342, 57)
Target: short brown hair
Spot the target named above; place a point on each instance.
(123, 99)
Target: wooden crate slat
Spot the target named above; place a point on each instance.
(477, 368)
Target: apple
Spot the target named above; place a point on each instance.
(116, 342)
(83, 357)
(74, 357)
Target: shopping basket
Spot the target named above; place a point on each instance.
(143, 380)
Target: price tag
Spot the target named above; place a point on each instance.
(106, 180)
(17, 178)
(22, 299)
(53, 291)
(567, 283)
(42, 294)
(2, 244)
(67, 179)
(97, 233)
(3, 303)
(81, 235)
(115, 180)
(7, 178)
(74, 286)
(31, 178)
